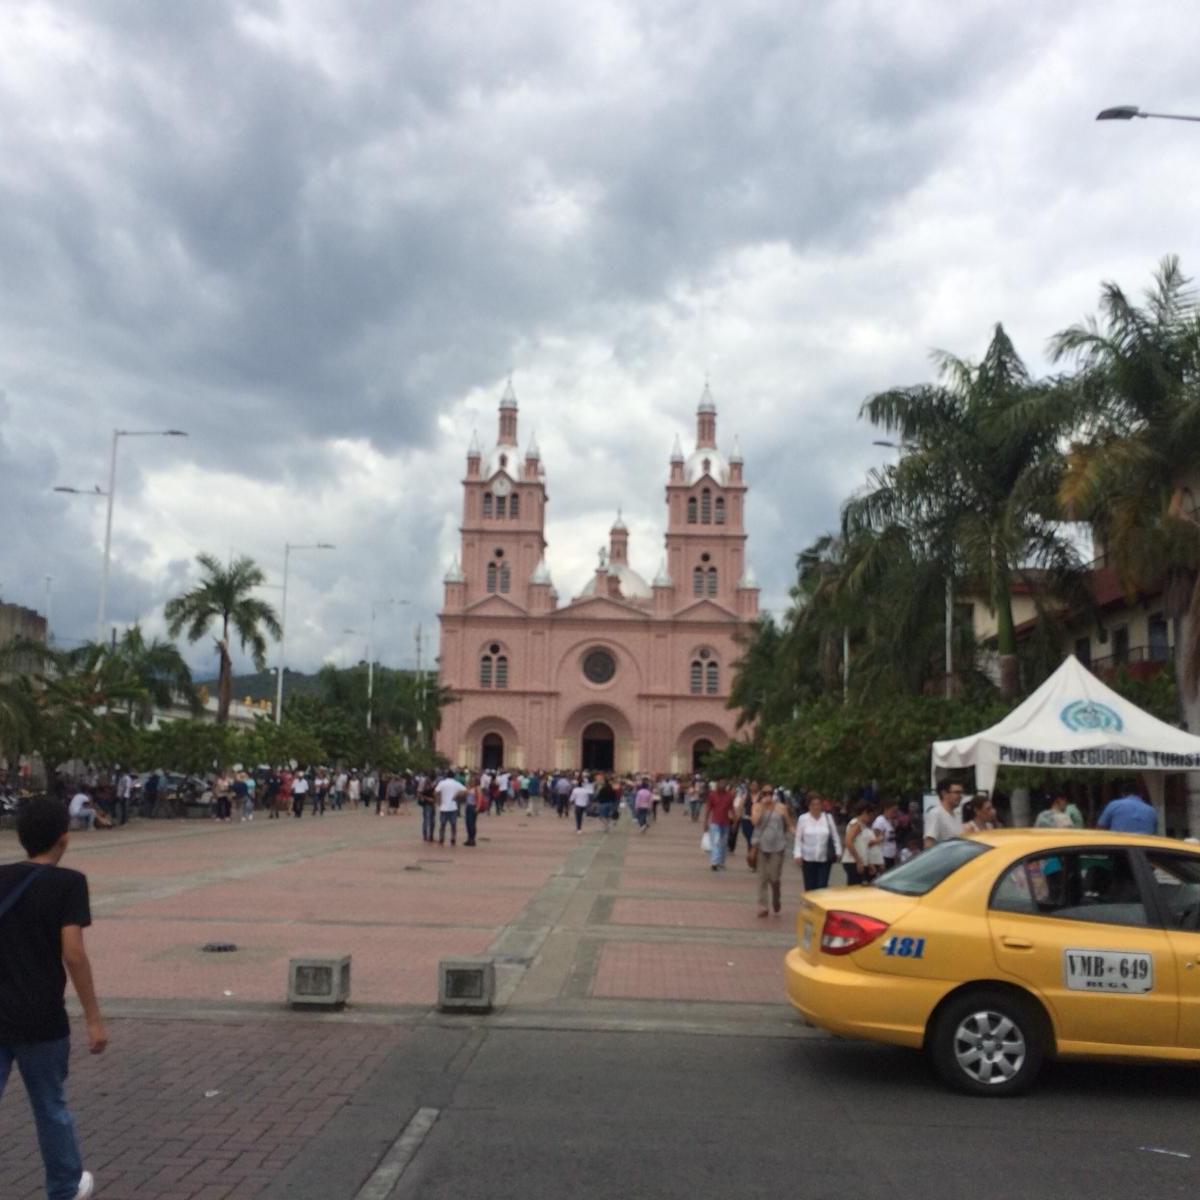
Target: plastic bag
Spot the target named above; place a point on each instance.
(706, 842)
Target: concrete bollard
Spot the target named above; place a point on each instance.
(319, 982)
(466, 985)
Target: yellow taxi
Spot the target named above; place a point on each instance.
(995, 951)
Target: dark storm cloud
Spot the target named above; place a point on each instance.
(288, 246)
(290, 227)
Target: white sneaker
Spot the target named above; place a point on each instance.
(87, 1186)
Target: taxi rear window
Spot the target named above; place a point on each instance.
(923, 873)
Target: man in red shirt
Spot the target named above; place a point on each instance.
(718, 812)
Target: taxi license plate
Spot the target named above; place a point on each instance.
(1108, 971)
(806, 938)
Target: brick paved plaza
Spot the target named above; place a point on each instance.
(211, 1087)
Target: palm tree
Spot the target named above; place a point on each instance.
(974, 488)
(1133, 468)
(223, 595)
(758, 673)
(18, 716)
(162, 676)
(70, 703)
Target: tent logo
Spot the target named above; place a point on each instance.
(1088, 716)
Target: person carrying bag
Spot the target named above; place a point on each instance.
(817, 844)
(768, 843)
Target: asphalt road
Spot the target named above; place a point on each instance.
(533, 1114)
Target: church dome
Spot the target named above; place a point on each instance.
(502, 458)
(695, 467)
(633, 586)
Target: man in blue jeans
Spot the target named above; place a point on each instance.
(718, 812)
(44, 910)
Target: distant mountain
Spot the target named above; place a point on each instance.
(261, 685)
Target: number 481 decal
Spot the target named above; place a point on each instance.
(904, 947)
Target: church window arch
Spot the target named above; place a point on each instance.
(698, 582)
(492, 573)
(493, 666)
(691, 510)
(500, 506)
(706, 507)
(704, 673)
(514, 507)
(504, 578)
(487, 504)
(720, 510)
(712, 581)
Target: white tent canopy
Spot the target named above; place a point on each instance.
(1073, 722)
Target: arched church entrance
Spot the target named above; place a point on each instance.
(598, 749)
(701, 749)
(491, 757)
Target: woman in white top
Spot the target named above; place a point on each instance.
(817, 844)
(856, 857)
(580, 799)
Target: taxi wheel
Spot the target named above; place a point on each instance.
(988, 1043)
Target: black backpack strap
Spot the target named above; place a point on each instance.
(11, 899)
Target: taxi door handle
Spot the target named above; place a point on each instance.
(1013, 943)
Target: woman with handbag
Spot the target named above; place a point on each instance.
(771, 824)
(817, 844)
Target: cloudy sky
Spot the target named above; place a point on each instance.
(318, 235)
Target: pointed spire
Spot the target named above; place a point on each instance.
(677, 450)
(748, 580)
(508, 415)
(542, 574)
(455, 573)
(619, 525)
(509, 399)
(474, 450)
(533, 451)
(663, 578)
(736, 456)
(706, 421)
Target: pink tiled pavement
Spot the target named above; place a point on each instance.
(162, 959)
(654, 971)
(690, 914)
(161, 890)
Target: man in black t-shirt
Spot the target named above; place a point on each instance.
(44, 910)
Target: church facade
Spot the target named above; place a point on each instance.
(629, 675)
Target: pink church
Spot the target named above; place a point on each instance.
(628, 675)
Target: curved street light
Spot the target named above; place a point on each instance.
(117, 434)
(1126, 112)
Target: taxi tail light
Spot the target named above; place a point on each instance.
(845, 932)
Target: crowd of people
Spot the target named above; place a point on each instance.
(864, 836)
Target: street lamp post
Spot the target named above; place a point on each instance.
(287, 554)
(1126, 112)
(371, 654)
(102, 607)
